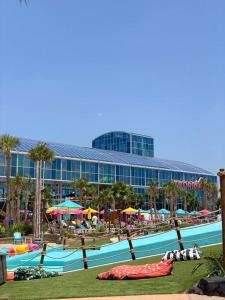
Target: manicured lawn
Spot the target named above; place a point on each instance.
(85, 284)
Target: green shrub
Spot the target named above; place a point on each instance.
(23, 228)
(29, 273)
(213, 265)
(101, 228)
(2, 231)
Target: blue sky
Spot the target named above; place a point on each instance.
(71, 70)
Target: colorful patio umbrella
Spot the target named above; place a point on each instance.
(204, 211)
(144, 211)
(164, 211)
(181, 212)
(129, 211)
(90, 211)
(194, 213)
(57, 212)
(68, 204)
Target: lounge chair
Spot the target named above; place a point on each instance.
(17, 237)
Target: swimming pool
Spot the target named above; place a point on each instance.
(60, 260)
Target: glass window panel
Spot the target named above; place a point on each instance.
(2, 171)
(69, 165)
(58, 164)
(31, 172)
(14, 160)
(20, 160)
(13, 171)
(20, 171)
(64, 164)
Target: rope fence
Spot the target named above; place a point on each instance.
(82, 249)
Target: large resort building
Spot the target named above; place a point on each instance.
(114, 157)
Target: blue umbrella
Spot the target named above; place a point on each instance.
(194, 213)
(144, 211)
(164, 211)
(181, 212)
(69, 204)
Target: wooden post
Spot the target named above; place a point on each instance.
(179, 238)
(64, 243)
(84, 253)
(130, 245)
(221, 174)
(43, 254)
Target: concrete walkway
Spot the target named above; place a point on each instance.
(152, 297)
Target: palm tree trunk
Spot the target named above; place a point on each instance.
(175, 205)
(18, 206)
(36, 202)
(185, 203)
(113, 204)
(205, 199)
(8, 194)
(155, 208)
(26, 199)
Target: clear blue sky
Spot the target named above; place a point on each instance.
(73, 69)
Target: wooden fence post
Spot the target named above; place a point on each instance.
(43, 253)
(84, 253)
(64, 243)
(179, 238)
(130, 245)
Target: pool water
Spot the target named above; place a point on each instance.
(60, 260)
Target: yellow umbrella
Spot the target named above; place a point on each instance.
(129, 210)
(90, 211)
(50, 209)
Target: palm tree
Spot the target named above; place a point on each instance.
(92, 191)
(39, 154)
(123, 195)
(28, 190)
(206, 188)
(213, 195)
(192, 201)
(82, 185)
(172, 193)
(153, 193)
(17, 185)
(104, 199)
(7, 144)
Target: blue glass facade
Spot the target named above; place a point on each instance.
(100, 167)
(125, 142)
(96, 172)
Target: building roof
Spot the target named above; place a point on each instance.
(71, 151)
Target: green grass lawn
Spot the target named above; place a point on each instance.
(84, 283)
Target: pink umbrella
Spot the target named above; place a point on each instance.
(204, 211)
(66, 212)
(57, 212)
(76, 212)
